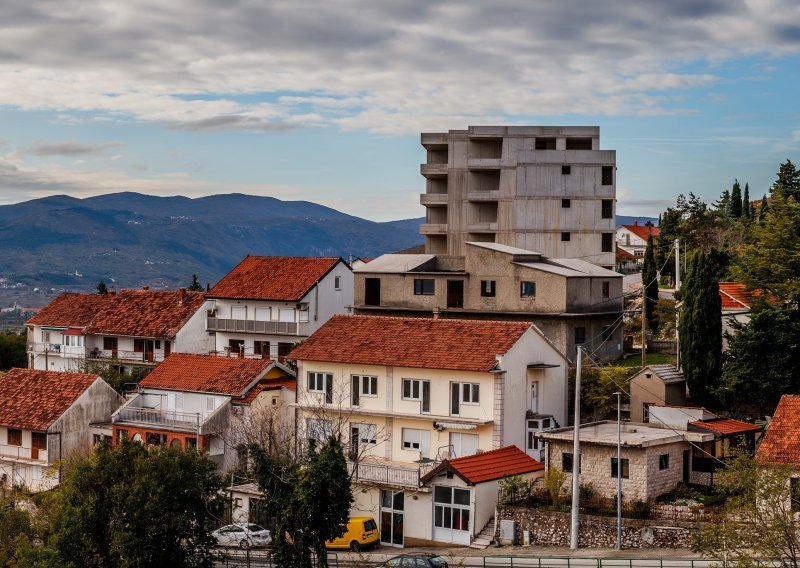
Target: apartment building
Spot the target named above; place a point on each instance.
(572, 301)
(409, 393)
(549, 189)
(129, 329)
(204, 402)
(46, 416)
(266, 304)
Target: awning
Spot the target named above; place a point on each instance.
(50, 328)
(72, 331)
(541, 365)
(455, 425)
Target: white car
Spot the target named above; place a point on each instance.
(242, 534)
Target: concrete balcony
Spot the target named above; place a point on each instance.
(483, 163)
(433, 170)
(433, 199)
(433, 229)
(124, 356)
(56, 349)
(260, 327)
(482, 227)
(434, 140)
(159, 419)
(18, 453)
(392, 475)
(483, 195)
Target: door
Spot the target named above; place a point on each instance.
(455, 293)
(392, 516)
(535, 397)
(372, 291)
(149, 347)
(167, 348)
(452, 512)
(455, 399)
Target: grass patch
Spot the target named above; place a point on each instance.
(652, 359)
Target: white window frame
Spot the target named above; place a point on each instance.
(316, 381)
(457, 440)
(318, 429)
(474, 390)
(260, 311)
(283, 313)
(239, 308)
(367, 385)
(337, 282)
(302, 313)
(45, 336)
(414, 436)
(211, 403)
(367, 433)
(414, 382)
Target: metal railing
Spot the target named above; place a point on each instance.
(56, 349)
(381, 473)
(124, 355)
(20, 453)
(254, 326)
(164, 418)
(577, 562)
(252, 557)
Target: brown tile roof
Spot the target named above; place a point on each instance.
(488, 466)
(781, 443)
(726, 426)
(464, 345)
(283, 278)
(643, 231)
(206, 373)
(76, 310)
(146, 313)
(32, 400)
(268, 385)
(735, 296)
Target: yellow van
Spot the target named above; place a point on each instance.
(361, 533)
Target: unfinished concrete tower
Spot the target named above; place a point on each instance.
(548, 189)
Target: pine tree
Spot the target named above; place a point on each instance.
(736, 200)
(650, 284)
(763, 210)
(195, 286)
(746, 207)
(102, 288)
(788, 182)
(700, 329)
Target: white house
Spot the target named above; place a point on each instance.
(45, 417)
(266, 304)
(409, 393)
(633, 238)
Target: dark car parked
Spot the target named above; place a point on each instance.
(415, 561)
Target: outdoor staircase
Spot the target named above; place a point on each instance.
(483, 540)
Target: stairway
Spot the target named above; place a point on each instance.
(485, 538)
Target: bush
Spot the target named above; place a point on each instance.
(639, 509)
(554, 481)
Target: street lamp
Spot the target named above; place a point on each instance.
(618, 394)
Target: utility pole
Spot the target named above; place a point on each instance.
(677, 264)
(576, 454)
(619, 470)
(677, 312)
(644, 326)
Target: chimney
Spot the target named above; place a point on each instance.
(145, 287)
(636, 222)
(181, 295)
(436, 313)
(112, 292)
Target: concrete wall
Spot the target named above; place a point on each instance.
(192, 337)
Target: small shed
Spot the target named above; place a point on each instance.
(656, 385)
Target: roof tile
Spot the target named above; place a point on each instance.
(726, 426)
(781, 442)
(76, 310)
(31, 399)
(488, 466)
(463, 345)
(643, 231)
(282, 278)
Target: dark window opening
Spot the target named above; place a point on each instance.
(14, 436)
(372, 291)
(261, 348)
(663, 461)
(607, 209)
(455, 293)
(424, 286)
(567, 462)
(39, 440)
(579, 143)
(607, 176)
(545, 143)
(487, 288)
(236, 346)
(625, 468)
(527, 289)
(608, 242)
(566, 203)
(566, 170)
(606, 289)
(580, 335)
(565, 237)
(606, 333)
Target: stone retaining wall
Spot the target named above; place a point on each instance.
(550, 528)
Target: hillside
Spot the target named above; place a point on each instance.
(130, 239)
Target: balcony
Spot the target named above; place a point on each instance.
(56, 349)
(433, 229)
(434, 140)
(162, 419)
(261, 327)
(384, 474)
(126, 356)
(433, 199)
(483, 195)
(433, 170)
(482, 227)
(483, 163)
(23, 454)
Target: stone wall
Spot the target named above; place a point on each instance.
(549, 528)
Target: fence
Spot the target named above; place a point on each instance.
(575, 562)
(252, 558)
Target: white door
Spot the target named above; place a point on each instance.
(452, 514)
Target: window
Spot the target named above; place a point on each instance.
(527, 289)
(565, 237)
(607, 176)
(283, 350)
(580, 335)
(545, 143)
(451, 509)
(606, 333)
(470, 393)
(235, 346)
(487, 288)
(239, 312)
(424, 286)
(463, 444)
(663, 461)
(286, 315)
(566, 170)
(109, 344)
(318, 430)
(606, 290)
(364, 433)
(567, 461)
(14, 437)
(625, 468)
(416, 440)
(337, 282)
(262, 314)
(363, 385)
(607, 209)
(321, 382)
(261, 348)
(138, 345)
(794, 494)
(608, 242)
(211, 403)
(418, 389)
(45, 336)
(566, 203)
(579, 144)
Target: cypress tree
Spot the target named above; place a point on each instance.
(746, 208)
(736, 200)
(650, 284)
(700, 329)
(763, 210)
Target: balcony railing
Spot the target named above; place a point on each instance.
(56, 349)
(123, 355)
(20, 453)
(160, 418)
(386, 474)
(252, 326)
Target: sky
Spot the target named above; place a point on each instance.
(325, 101)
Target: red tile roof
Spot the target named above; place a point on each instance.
(282, 278)
(735, 296)
(622, 253)
(643, 231)
(75, 310)
(268, 385)
(726, 426)
(206, 373)
(146, 313)
(32, 400)
(781, 443)
(463, 345)
(488, 466)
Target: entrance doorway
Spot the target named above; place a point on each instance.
(451, 514)
(455, 293)
(372, 291)
(392, 511)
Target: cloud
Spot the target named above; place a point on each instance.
(69, 148)
(385, 67)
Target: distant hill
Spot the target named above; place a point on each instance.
(627, 220)
(130, 239)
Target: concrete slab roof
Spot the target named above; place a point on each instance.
(585, 267)
(605, 434)
(552, 269)
(503, 248)
(393, 263)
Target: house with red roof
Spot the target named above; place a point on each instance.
(45, 417)
(737, 303)
(197, 401)
(266, 304)
(129, 329)
(781, 442)
(409, 393)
